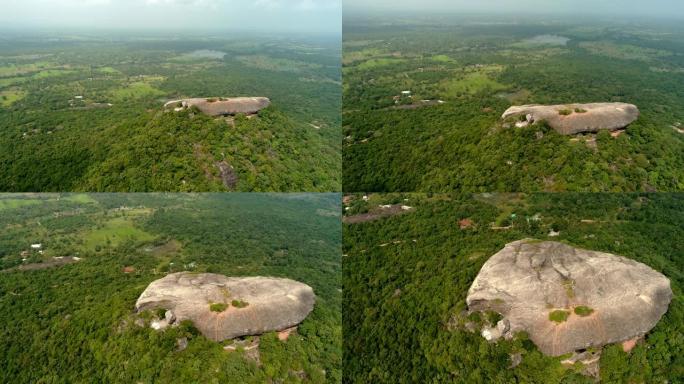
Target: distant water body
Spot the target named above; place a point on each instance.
(547, 40)
(206, 54)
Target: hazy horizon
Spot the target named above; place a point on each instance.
(655, 8)
(312, 17)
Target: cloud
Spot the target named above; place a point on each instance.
(670, 8)
(209, 3)
(307, 16)
(74, 3)
(303, 5)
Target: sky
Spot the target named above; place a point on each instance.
(667, 8)
(296, 16)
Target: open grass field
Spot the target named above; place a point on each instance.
(114, 232)
(472, 83)
(7, 81)
(14, 69)
(10, 96)
(381, 62)
(6, 204)
(136, 90)
(361, 54)
(109, 70)
(443, 59)
(44, 74)
(81, 198)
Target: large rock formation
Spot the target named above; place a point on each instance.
(219, 106)
(568, 299)
(568, 119)
(227, 307)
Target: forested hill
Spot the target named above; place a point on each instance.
(71, 321)
(87, 116)
(445, 133)
(406, 279)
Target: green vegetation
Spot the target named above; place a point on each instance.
(160, 312)
(478, 72)
(109, 71)
(442, 58)
(239, 303)
(89, 116)
(76, 319)
(624, 51)
(277, 64)
(82, 198)
(493, 317)
(580, 110)
(11, 96)
(17, 66)
(472, 83)
(114, 232)
(404, 302)
(559, 315)
(50, 73)
(375, 63)
(569, 286)
(137, 90)
(583, 310)
(218, 307)
(16, 203)
(565, 112)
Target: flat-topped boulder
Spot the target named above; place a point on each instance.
(568, 119)
(227, 307)
(568, 299)
(221, 106)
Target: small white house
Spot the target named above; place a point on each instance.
(78, 97)
(405, 93)
(36, 246)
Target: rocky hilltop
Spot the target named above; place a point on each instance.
(219, 106)
(568, 119)
(568, 299)
(227, 307)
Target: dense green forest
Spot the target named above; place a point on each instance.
(84, 113)
(69, 323)
(406, 278)
(463, 73)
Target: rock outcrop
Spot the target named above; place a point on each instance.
(227, 307)
(568, 119)
(219, 106)
(568, 299)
